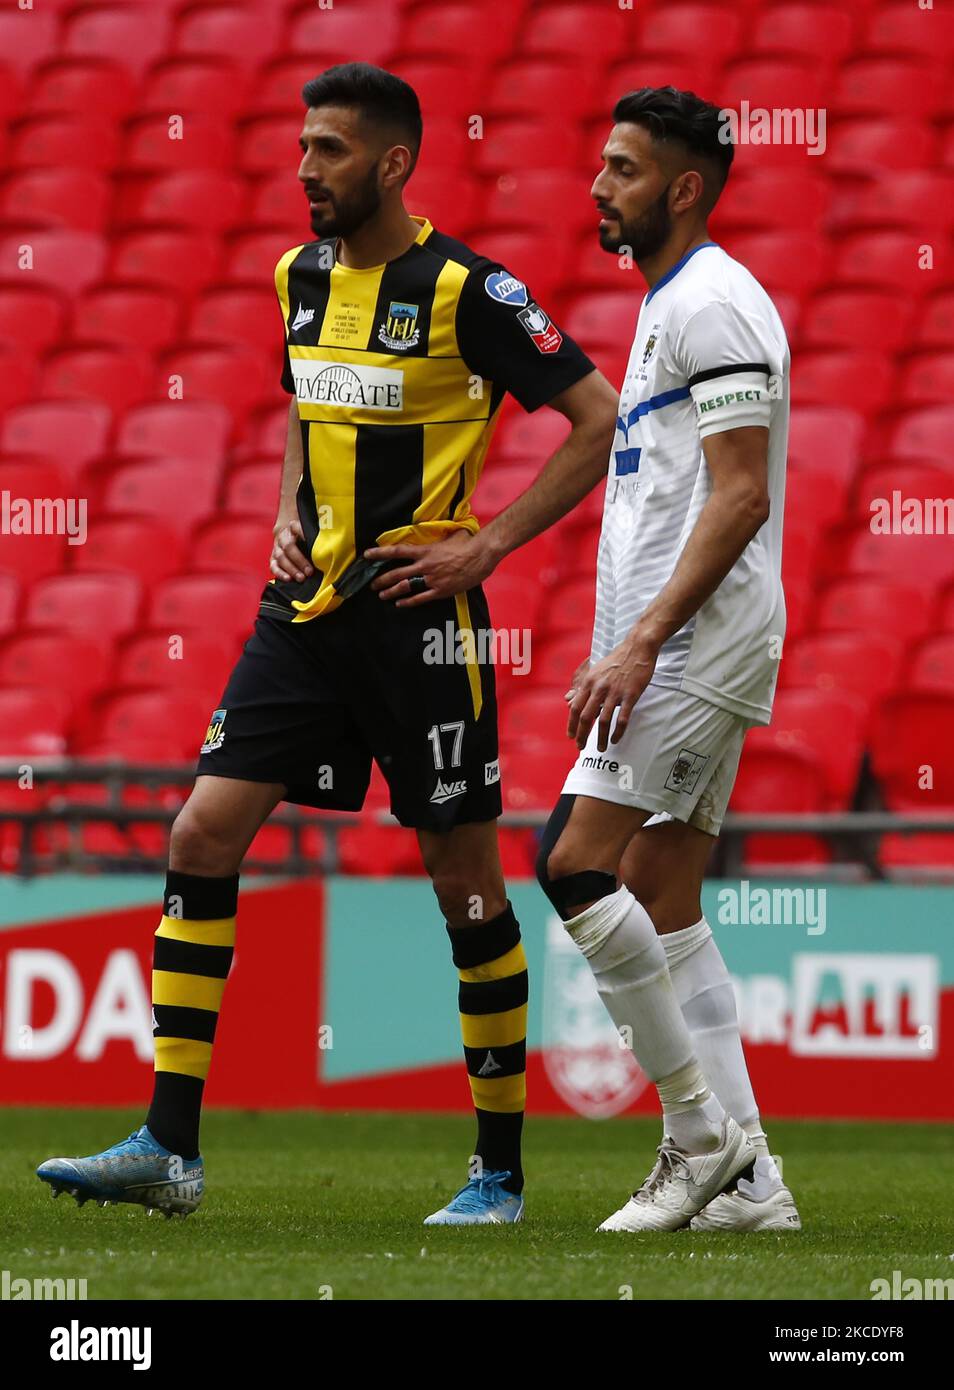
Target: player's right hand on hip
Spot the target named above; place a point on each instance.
(287, 560)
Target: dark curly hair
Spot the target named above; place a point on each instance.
(684, 120)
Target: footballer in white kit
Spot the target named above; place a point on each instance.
(688, 632)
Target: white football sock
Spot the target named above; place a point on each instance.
(707, 999)
(628, 962)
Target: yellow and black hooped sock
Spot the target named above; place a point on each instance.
(191, 959)
(493, 1018)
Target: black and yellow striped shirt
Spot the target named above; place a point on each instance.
(400, 371)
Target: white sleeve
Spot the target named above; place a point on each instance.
(730, 361)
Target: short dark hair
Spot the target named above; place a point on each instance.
(681, 118)
(382, 98)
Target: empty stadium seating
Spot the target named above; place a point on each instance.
(150, 265)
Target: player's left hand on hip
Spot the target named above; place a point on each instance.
(615, 683)
(447, 567)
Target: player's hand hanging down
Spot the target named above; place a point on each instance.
(450, 567)
(287, 560)
(601, 687)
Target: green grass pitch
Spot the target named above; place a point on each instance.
(300, 1204)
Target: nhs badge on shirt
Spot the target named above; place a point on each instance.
(506, 289)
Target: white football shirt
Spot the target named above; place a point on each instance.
(710, 354)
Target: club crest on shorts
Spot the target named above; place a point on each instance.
(685, 771)
(399, 330)
(215, 734)
(582, 1053)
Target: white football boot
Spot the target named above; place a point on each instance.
(682, 1184)
(761, 1202)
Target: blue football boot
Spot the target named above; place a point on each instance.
(483, 1202)
(136, 1170)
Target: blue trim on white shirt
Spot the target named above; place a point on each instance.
(678, 393)
(677, 267)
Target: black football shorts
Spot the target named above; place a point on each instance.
(310, 704)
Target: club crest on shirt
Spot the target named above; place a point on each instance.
(215, 734)
(399, 330)
(650, 348)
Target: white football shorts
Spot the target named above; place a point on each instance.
(678, 758)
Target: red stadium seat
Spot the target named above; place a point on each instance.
(534, 783)
(536, 718)
(133, 544)
(780, 259)
(52, 248)
(499, 486)
(58, 197)
(377, 850)
(911, 745)
(889, 258)
(575, 32)
(24, 553)
(511, 606)
(96, 603)
(33, 318)
(252, 258)
(770, 83)
(77, 666)
(448, 198)
(209, 372)
(196, 84)
(894, 200)
(193, 660)
(232, 544)
(230, 601)
(248, 33)
(538, 198)
(182, 261)
(826, 435)
(11, 95)
(945, 611)
(250, 316)
(512, 145)
(936, 326)
(201, 200)
(278, 200)
(555, 662)
(767, 198)
(9, 603)
(829, 378)
(196, 430)
(132, 36)
(439, 29)
(571, 610)
(39, 142)
(253, 491)
(179, 494)
(277, 86)
(366, 28)
(685, 68)
(819, 34)
(863, 664)
(780, 781)
(828, 725)
(269, 145)
(527, 86)
(864, 603)
(915, 559)
(911, 478)
(894, 142)
(17, 376)
(603, 319)
(846, 318)
(120, 377)
(923, 432)
(814, 497)
(519, 251)
(82, 84)
(897, 28)
(932, 666)
(872, 86)
(33, 723)
(72, 432)
(139, 725)
(197, 141)
(27, 37)
(128, 316)
(689, 28)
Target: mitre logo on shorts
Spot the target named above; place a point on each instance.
(684, 773)
(347, 386)
(215, 734)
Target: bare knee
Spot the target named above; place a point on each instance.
(198, 846)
